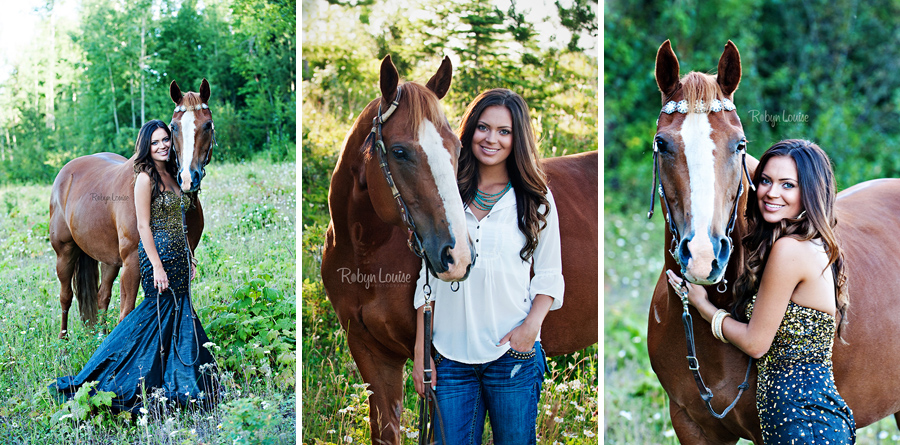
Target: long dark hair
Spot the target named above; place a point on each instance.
(524, 169)
(817, 195)
(143, 161)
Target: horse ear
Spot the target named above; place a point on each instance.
(440, 82)
(204, 91)
(175, 92)
(729, 75)
(389, 79)
(667, 70)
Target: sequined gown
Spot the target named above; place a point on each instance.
(797, 399)
(158, 347)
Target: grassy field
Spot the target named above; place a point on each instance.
(245, 293)
(635, 406)
(335, 409)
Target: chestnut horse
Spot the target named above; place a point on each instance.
(700, 174)
(368, 270)
(92, 216)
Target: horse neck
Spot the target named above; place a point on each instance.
(349, 201)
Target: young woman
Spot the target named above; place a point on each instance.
(788, 298)
(158, 347)
(488, 356)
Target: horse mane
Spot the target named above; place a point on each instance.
(191, 99)
(699, 86)
(417, 104)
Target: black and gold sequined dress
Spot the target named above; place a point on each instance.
(158, 347)
(797, 399)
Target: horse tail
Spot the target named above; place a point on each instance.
(86, 283)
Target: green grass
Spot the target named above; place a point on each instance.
(250, 218)
(636, 408)
(334, 397)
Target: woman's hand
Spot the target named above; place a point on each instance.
(419, 373)
(522, 337)
(193, 270)
(697, 295)
(160, 279)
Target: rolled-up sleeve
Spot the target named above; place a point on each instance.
(547, 261)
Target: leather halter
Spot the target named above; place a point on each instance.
(414, 242)
(706, 394)
(212, 142)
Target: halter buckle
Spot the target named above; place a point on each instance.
(693, 364)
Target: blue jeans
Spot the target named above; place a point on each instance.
(509, 388)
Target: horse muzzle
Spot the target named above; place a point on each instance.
(189, 180)
(450, 261)
(703, 260)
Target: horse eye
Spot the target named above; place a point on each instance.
(399, 153)
(661, 145)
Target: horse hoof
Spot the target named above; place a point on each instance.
(64, 335)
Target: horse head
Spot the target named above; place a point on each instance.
(699, 151)
(193, 134)
(413, 140)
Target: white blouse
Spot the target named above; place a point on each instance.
(499, 291)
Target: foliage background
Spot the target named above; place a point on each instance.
(87, 81)
(834, 62)
(528, 47)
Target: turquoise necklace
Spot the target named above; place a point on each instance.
(485, 201)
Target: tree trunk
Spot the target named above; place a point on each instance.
(143, 60)
(51, 75)
(112, 86)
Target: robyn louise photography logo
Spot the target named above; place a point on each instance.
(107, 198)
(374, 279)
(772, 119)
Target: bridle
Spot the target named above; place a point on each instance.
(700, 107)
(212, 141)
(414, 242)
(693, 364)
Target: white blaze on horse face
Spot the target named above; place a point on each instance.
(699, 151)
(187, 148)
(445, 178)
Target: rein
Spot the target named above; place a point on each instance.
(693, 364)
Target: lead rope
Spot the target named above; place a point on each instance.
(705, 393)
(426, 428)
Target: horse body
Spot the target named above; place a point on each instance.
(866, 369)
(92, 218)
(369, 272)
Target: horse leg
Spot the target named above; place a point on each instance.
(384, 374)
(66, 254)
(108, 274)
(128, 287)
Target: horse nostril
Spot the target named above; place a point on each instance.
(684, 252)
(446, 257)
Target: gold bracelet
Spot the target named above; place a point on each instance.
(721, 314)
(714, 321)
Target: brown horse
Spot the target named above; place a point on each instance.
(700, 174)
(92, 215)
(368, 270)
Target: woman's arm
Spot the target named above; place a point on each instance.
(142, 194)
(522, 337)
(786, 267)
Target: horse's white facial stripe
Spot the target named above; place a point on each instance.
(187, 147)
(699, 151)
(445, 178)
